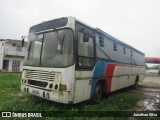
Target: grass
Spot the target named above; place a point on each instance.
(12, 99)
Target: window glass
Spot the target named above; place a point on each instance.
(51, 49)
(85, 48)
(131, 53)
(58, 49)
(85, 51)
(101, 42)
(37, 50)
(19, 48)
(49, 25)
(85, 62)
(114, 46)
(124, 50)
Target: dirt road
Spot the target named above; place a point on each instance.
(151, 94)
(151, 81)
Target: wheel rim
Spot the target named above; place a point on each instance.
(136, 84)
(98, 93)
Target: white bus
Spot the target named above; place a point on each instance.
(68, 61)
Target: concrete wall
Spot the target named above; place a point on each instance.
(1, 54)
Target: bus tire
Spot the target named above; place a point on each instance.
(97, 93)
(136, 83)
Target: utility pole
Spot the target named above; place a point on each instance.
(23, 38)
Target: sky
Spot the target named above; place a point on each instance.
(135, 22)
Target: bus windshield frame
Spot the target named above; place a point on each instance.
(53, 49)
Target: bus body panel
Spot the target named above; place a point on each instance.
(63, 77)
(116, 76)
(82, 90)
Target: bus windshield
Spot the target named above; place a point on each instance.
(51, 49)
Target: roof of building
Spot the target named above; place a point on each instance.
(152, 60)
(14, 41)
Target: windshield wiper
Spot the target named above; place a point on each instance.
(29, 49)
(58, 36)
(60, 40)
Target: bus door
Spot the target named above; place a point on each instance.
(84, 66)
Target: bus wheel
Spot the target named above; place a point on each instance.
(136, 83)
(97, 93)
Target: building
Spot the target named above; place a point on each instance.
(12, 55)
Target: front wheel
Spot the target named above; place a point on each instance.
(97, 93)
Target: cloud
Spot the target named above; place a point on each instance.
(135, 22)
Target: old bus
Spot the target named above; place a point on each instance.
(68, 61)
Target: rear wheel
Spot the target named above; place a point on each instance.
(97, 93)
(136, 83)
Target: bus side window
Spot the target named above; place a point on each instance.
(85, 51)
(114, 46)
(101, 41)
(131, 54)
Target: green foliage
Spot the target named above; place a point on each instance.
(10, 80)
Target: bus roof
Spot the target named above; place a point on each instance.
(116, 40)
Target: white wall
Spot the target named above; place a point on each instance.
(11, 62)
(1, 54)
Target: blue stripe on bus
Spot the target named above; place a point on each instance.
(98, 72)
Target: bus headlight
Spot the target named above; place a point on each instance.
(56, 87)
(47, 95)
(51, 86)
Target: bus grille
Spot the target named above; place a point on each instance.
(39, 78)
(40, 75)
(37, 83)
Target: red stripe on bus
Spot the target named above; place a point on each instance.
(108, 73)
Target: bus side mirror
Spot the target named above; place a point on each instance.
(85, 38)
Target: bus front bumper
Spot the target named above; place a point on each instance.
(53, 95)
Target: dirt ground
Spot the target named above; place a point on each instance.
(151, 82)
(150, 91)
